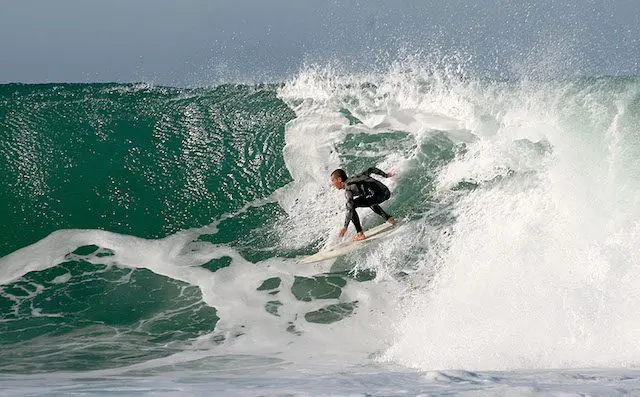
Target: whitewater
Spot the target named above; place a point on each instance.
(515, 270)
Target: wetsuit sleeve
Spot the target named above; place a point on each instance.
(374, 170)
(351, 215)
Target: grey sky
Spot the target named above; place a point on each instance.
(198, 42)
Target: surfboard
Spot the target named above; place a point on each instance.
(373, 234)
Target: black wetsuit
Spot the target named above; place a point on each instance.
(364, 191)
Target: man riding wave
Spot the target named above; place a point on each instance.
(362, 190)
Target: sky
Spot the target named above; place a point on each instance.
(204, 42)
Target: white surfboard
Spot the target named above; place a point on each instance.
(344, 248)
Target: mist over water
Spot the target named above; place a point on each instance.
(205, 44)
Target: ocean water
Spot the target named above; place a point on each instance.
(151, 236)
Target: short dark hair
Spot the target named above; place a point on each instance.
(339, 173)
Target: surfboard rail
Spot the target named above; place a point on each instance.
(346, 247)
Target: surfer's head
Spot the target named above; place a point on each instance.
(338, 177)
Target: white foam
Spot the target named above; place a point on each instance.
(541, 270)
(61, 279)
(244, 323)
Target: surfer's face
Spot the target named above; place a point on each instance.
(336, 182)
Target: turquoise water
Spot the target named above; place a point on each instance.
(150, 229)
(134, 159)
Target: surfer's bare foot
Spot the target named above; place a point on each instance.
(391, 221)
(359, 237)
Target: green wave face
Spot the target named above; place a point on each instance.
(133, 159)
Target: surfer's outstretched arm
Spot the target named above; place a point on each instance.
(377, 171)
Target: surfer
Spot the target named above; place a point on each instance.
(362, 191)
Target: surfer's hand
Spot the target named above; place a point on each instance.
(358, 237)
(342, 232)
(391, 173)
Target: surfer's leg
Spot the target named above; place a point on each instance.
(361, 202)
(373, 203)
(378, 210)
